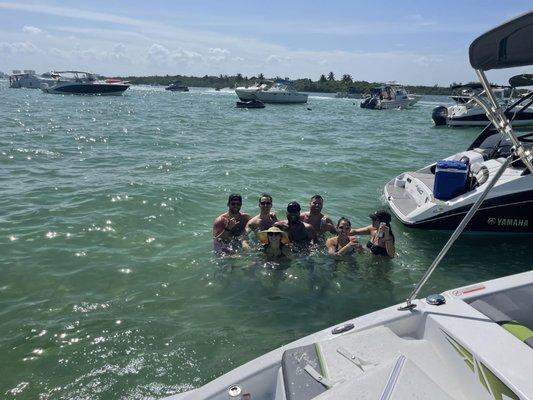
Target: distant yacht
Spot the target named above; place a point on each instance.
(391, 95)
(278, 91)
(79, 82)
(29, 79)
(467, 112)
(176, 86)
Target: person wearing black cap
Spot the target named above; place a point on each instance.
(228, 228)
(300, 233)
(381, 241)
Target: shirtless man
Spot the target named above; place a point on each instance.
(316, 219)
(261, 222)
(300, 233)
(228, 228)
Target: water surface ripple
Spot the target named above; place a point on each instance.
(109, 288)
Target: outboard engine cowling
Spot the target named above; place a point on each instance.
(439, 115)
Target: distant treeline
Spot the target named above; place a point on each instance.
(326, 83)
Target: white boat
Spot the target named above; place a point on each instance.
(389, 96)
(279, 91)
(473, 342)
(29, 79)
(85, 83)
(466, 112)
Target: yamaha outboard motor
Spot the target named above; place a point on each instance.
(439, 115)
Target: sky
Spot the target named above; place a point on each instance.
(411, 41)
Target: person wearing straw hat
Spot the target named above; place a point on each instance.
(275, 242)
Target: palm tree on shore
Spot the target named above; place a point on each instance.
(331, 77)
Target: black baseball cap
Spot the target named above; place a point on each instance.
(293, 207)
(381, 216)
(234, 196)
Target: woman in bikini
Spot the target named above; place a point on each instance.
(381, 241)
(343, 243)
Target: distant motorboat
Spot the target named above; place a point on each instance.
(250, 104)
(86, 83)
(389, 96)
(278, 91)
(29, 79)
(467, 112)
(176, 86)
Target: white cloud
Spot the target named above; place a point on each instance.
(158, 54)
(19, 48)
(32, 29)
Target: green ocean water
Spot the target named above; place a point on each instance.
(108, 285)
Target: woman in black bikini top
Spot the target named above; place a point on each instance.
(381, 241)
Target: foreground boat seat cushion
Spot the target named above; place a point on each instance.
(505, 321)
(299, 384)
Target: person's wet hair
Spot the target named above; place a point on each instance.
(317, 197)
(341, 219)
(265, 195)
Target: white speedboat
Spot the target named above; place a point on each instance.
(29, 79)
(389, 96)
(85, 83)
(279, 91)
(468, 113)
(472, 342)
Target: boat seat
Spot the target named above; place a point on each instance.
(506, 322)
(299, 384)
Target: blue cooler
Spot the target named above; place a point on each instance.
(450, 179)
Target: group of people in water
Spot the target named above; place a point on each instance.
(232, 230)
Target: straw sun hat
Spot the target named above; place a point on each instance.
(263, 235)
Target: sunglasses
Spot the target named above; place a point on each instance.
(344, 227)
(265, 203)
(270, 234)
(235, 203)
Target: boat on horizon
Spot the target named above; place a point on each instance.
(84, 83)
(267, 91)
(29, 79)
(472, 342)
(466, 112)
(389, 96)
(177, 86)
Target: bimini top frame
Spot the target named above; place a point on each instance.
(506, 46)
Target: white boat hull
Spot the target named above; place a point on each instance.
(445, 351)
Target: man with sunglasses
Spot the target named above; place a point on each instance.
(228, 228)
(316, 219)
(262, 221)
(301, 234)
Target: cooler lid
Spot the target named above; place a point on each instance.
(449, 164)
